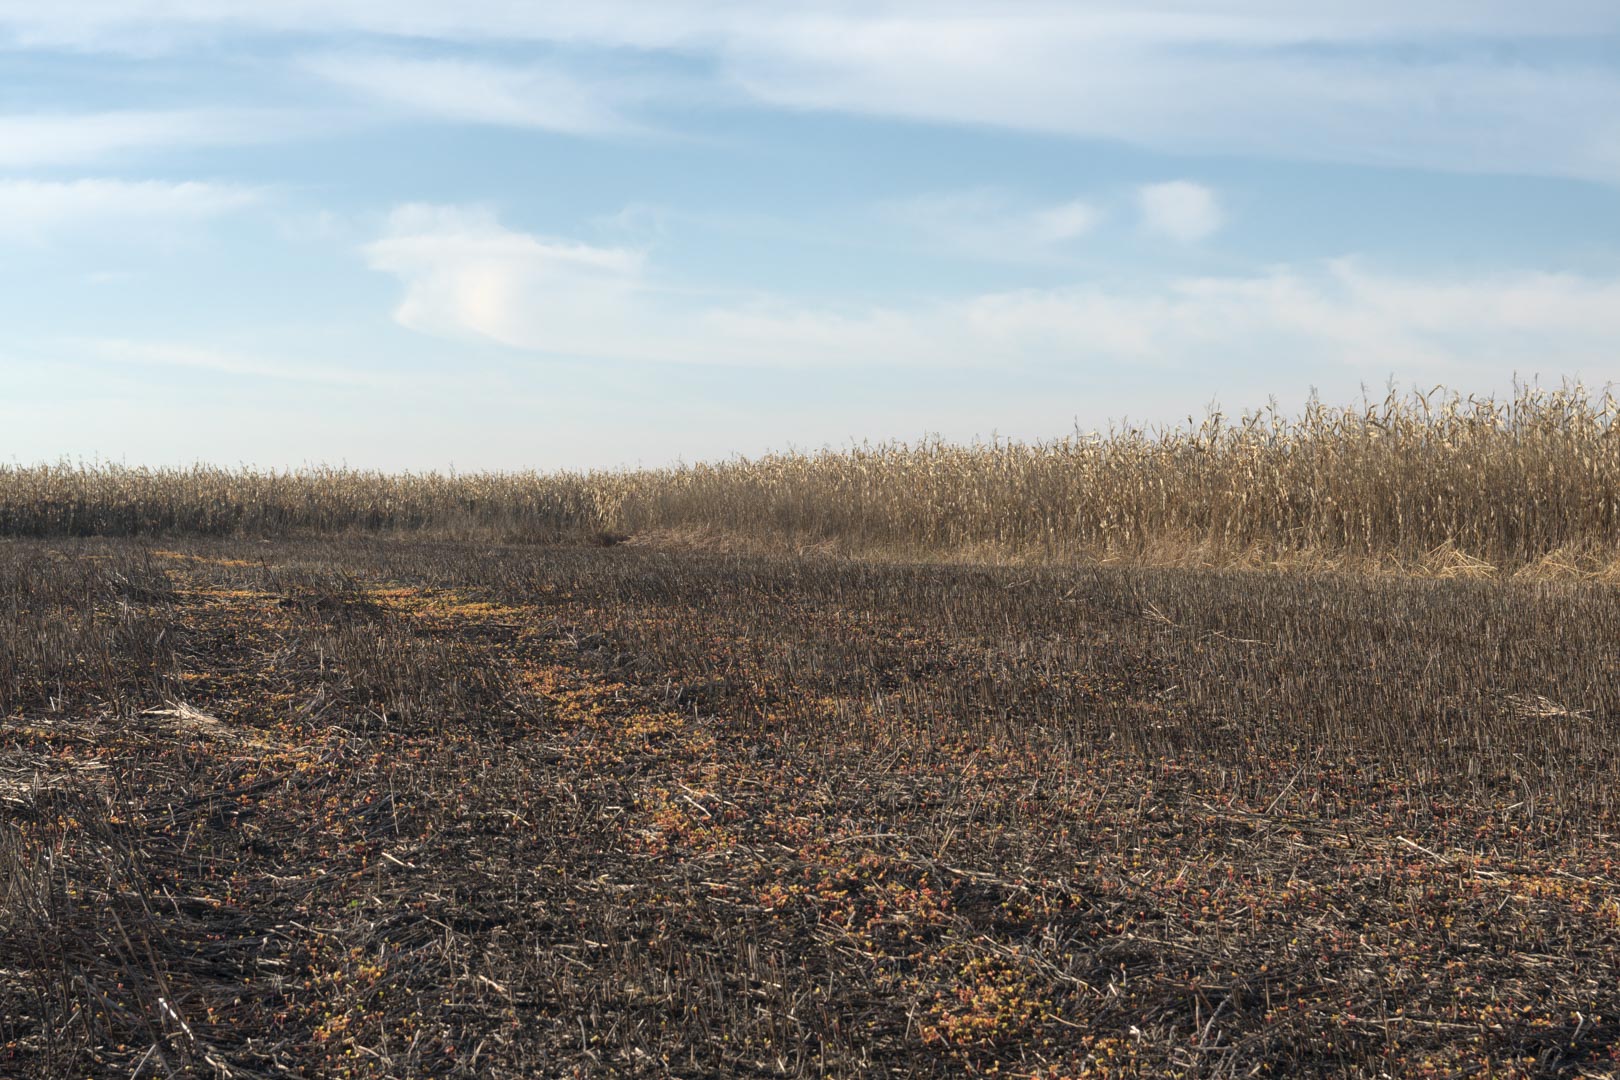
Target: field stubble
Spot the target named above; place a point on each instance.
(409, 807)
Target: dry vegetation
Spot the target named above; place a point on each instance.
(1434, 482)
(427, 804)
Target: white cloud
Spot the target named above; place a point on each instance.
(466, 274)
(32, 209)
(527, 96)
(986, 224)
(1180, 209)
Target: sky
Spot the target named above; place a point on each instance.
(405, 234)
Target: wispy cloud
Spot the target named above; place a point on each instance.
(479, 92)
(1462, 109)
(1437, 85)
(171, 354)
(1180, 209)
(466, 274)
(988, 224)
(34, 209)
(692, 22)
(77, 138)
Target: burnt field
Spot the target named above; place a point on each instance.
(411, 808)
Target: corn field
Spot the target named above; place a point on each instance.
(1436, 480)
(112, 500)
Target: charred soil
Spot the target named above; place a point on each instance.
(411, 808)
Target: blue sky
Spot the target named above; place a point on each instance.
(491, 235)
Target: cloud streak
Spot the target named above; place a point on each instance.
(987, 224)
(34, 209)
(677, 23)
(522, 96)
(31, 140)
(1464, 111)
(172, 354)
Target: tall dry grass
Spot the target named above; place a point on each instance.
(1511, 483)
(113, 500)
(1435, 479)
